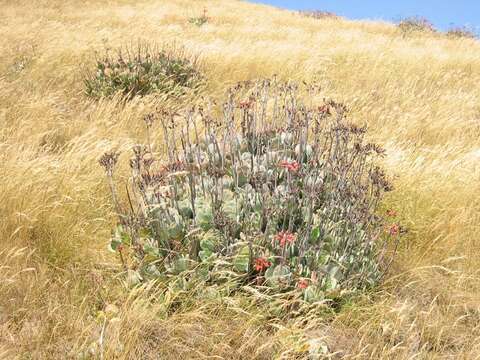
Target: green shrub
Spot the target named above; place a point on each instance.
(142, 71)
(275, 193)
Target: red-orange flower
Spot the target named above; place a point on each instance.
(391, 213)
(290, 166)
(284, 237)
(245, 104)
(262, 264)
(302, 283)
(394, 229)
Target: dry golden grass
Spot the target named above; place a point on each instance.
(419, 96)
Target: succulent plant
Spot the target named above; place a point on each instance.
(143, 70)
(276, 193)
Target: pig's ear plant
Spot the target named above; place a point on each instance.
(270, 189)
(143, 70)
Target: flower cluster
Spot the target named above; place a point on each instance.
(302, 283)
(285, 237)
(291, 166)
(262, 264)
(394, 230)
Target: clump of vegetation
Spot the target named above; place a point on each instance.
(462, 32)
(199, 20)
(415, 24)
(274, 193)
(143, 70)
(319, 14)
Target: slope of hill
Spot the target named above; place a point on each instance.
(418, 94)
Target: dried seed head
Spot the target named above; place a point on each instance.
(135, 164)
(154, 179)
(215, 171)
(139, 151)
(357, 130)
(379, 179)
(149, 119)
(108, 161)
(147, 163)
(339, 107)
(174, 166)
(375, 148)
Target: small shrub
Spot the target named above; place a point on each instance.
(274, 193)
(142, 71)
(461, 32)
(200, 20)
(415, 24)
(319, 14)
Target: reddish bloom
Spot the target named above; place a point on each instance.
(245, 104)
(394, 229)
(290, 166)
(324, 109)
(391, 213)
(285, 236)
(302, 283)
(262, 264)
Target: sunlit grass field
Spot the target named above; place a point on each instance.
(60, 296)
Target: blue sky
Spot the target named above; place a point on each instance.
(442, 13)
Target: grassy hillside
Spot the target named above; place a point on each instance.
(418, 94)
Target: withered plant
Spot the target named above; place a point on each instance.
(319, 14)
(415, 24)
(462, 32)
